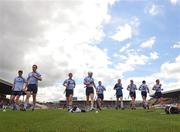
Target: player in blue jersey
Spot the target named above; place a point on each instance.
(119, 94)
(69, 89)
(32, 86)
(17, 89)
(144, 90)
(89, 85)
(100, 94)
(132, 92)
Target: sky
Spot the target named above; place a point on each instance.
(126, 39)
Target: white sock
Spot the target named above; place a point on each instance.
(122, 106)
(17, 106)
(12, 105)
(145, 103)
(25, 105)
(92, 106)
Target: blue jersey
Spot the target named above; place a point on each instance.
(100, 89)
(89, 81)
(70, 83)
(19, 83)
(144, 88)
(118, 87)
(32, 78)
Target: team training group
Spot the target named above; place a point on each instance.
(29, 87)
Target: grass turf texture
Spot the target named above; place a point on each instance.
(104, 121)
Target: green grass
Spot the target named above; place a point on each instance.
(104, 121)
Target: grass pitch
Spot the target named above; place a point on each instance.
(105, 121)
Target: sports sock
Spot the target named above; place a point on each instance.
(25, 105)
(122, 106)
(92, 105)
(17, 106)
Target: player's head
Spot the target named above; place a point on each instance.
(70, 75)
(34, 67)
(131, 81)
(90, 74)
(157, 81)
(119, 80)
(144, 82)
(99, 82)
(20, 72)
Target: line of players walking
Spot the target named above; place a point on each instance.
(29, 87)
(90, 95)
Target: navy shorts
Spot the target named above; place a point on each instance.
(32, 88)
(119, 95)
(132, 94)
(144, 94)
(89, 90)
(69, 92)
(158, 95)
(101, 96)
(15, 93)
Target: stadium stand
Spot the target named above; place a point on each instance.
(5, 89)
(172, 96)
